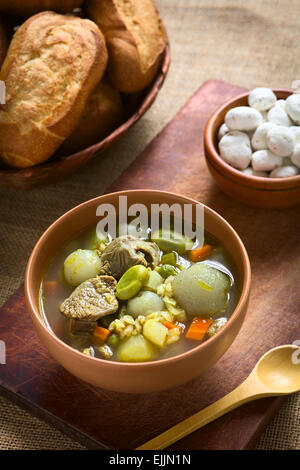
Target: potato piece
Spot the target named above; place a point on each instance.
(201, 290)
(154, 281)
(144, 303)
(136, 349)
(156, 332)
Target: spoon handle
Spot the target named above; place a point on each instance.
(247, 391)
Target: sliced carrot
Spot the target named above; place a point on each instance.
(198, 328)
(169, 325)
(100, 335)
(199, 254)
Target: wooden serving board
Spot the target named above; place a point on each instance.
(98, 418)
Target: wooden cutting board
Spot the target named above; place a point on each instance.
(98, 418)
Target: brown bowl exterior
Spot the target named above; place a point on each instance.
(251, 190)
(134, 377)
(61, 167)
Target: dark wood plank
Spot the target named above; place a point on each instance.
(173, 161)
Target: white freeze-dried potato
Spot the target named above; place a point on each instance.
(259, 139)
(295, 157)
(250, 172)
(222, 131)
(284, 172)
(296, 132)
(293, 107)
(264, 160)
(263, 139)
(281, 141)
(281, 103)
(262, 99)
(279, 116)
(243, 118)
(235, 149)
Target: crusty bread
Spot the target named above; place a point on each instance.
(4, 40)
(30, 7)
(102, 114)
(53, 64)
(135, 39)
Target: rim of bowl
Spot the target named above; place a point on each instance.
(209, 143)
(31, 297)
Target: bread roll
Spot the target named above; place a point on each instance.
(102, 114)
(30, 7)
(4, 40)
(53, 64)
(135, 39)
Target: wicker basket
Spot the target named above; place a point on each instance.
(59, 167)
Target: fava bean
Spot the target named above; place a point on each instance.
(167, 270)
(132, 281)
(171, 241)
(169, 258)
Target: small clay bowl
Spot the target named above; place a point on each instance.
(135, 377)
(251, 190)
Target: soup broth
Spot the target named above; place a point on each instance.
(215, 265)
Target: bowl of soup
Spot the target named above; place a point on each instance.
(138, 304)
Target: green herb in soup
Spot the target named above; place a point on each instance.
(134, 300)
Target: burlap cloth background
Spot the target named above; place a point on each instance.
(247, 43)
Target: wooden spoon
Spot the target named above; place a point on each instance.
(276, 373)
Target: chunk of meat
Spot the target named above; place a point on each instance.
(77, 327)
(127, 251)
(93, 299)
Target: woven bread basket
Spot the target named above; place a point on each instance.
(59, 167)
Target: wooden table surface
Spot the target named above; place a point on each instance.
(33, 377)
